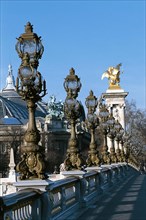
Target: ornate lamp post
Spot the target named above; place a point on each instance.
(31, 88)
(72, 111)
(92, 122)
(118, 138)
(104, 114)
(112, 135)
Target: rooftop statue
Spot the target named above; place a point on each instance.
(55, 109)
(113, 74)
(10, 82)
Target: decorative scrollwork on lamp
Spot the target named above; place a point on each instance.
(31, 88)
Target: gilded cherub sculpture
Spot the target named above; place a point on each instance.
(113, 74)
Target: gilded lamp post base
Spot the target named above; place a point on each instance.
(113, 156)
(118, 154)
(123, 156)
(31, 166)
(73, 159)
(93, 160)
(105, 156)
(32, 163)
(93, 157)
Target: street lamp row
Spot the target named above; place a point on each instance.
(32, 88)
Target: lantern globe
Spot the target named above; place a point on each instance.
(30, 43)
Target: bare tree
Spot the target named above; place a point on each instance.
(10, 136)
(136, 126)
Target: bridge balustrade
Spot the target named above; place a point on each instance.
(62, 198)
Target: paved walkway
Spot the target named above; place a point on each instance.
(126, 202)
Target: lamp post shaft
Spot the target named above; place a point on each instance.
(92, 136)
(112, 151)
(105, 141)
(31, 109)
(105, 154)
(73, 132)
(118, 151)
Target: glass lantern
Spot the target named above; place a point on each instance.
(91, 101)
(72, 83)
(103, 113)
(30, 43)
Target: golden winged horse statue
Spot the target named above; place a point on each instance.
(113, 74)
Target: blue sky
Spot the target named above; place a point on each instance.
(89, 36)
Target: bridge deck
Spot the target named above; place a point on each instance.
(126, 202)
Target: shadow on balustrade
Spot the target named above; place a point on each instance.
(126, 202)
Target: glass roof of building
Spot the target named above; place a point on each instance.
(13, 107)
(10, 121)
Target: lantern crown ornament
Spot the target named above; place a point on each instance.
(30, 43)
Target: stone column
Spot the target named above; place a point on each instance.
(115, 101)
